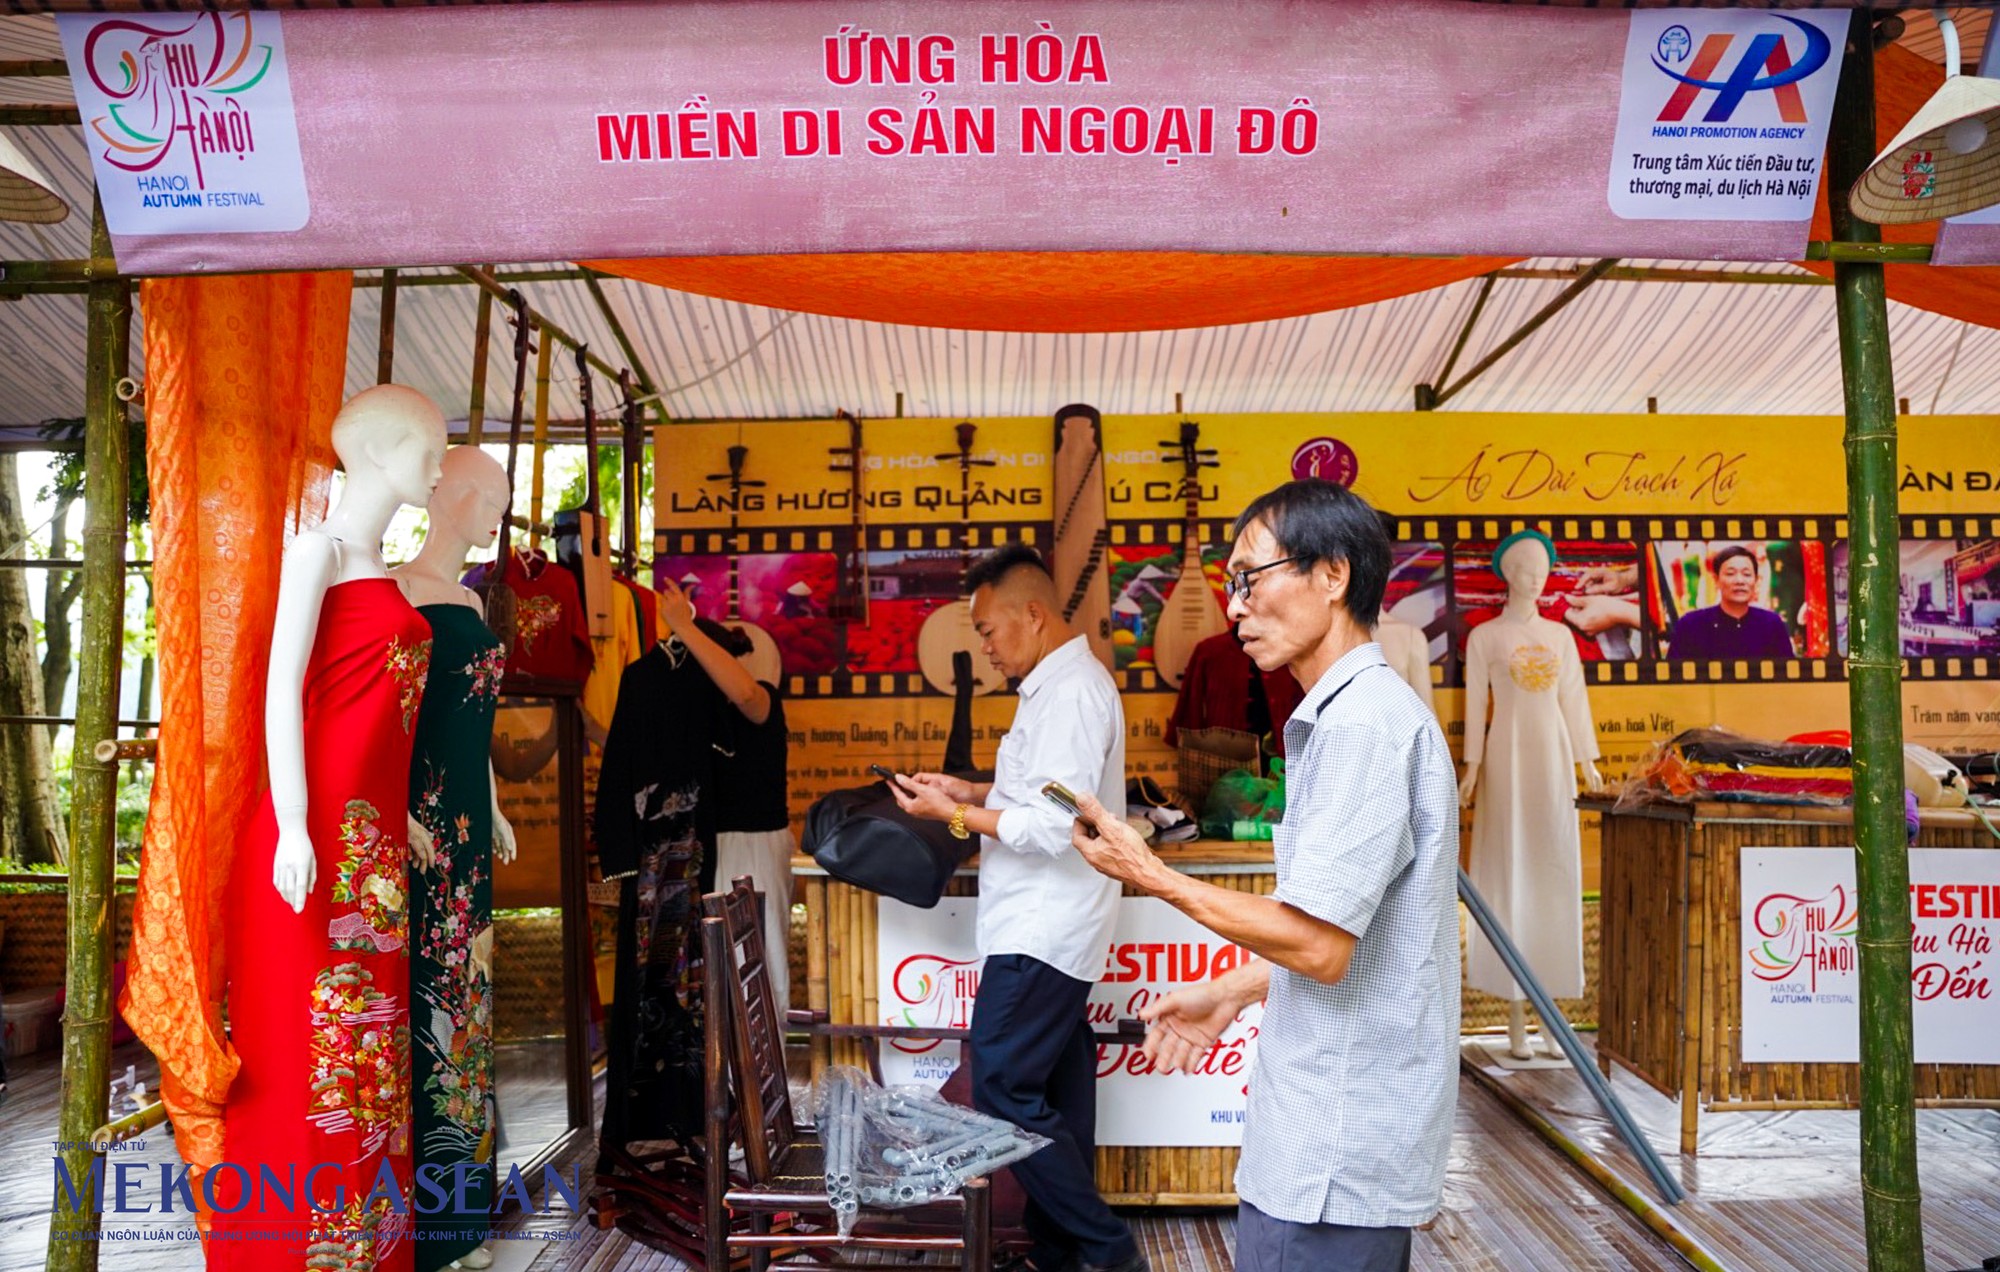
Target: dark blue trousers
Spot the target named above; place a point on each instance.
(1034, 1063)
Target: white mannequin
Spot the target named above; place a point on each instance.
(390, 441)
(1525, 566)
(1408, 652)
(465, 511)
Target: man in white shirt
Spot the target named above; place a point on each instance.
(1045, 915)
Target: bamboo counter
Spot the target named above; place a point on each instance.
(1670, 973)
(841, 981)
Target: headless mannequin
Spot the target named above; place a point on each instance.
(465, 511)
(391, 443)
(1525, 566)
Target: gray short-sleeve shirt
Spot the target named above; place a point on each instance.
(1354, 1087)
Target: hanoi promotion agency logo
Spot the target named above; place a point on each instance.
(189, 121)
(1762, 63)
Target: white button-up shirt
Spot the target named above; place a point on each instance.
(1355, 1083)
(1037, 896)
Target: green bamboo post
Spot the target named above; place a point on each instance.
(1891, 1203)
(94, 800)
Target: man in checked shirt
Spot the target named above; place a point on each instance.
(1356, 1077)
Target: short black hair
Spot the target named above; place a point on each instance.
(1317, 520)
(1001, 562)
(1724, 556)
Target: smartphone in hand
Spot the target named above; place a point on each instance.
(882, 771)
(1059, 795)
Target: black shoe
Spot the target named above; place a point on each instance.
(1137, 1263)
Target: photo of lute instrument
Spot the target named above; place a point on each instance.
(763, 660)
(1191, 613)
(948, 629)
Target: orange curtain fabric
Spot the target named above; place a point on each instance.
(1970, 293)
(1053, 291)
(243, 377)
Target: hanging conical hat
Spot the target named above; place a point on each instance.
(1918, 178)
(25, 194)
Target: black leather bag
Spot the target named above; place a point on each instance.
(861, 836)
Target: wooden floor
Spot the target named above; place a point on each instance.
(1769, 1192)
(1783, 1190)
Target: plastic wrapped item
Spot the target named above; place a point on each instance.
(904, 1146)
(1242, 805)
(1716, 764)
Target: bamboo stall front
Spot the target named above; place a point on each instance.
(841, 981)
(1670, 1007)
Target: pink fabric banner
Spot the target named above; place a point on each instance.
(527, 133)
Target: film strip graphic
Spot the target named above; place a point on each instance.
(1979, 659)
(947, 539)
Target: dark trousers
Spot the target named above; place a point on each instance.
(1264, 1244)
(1034, 1063)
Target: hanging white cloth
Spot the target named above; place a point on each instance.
(766, 856)
(1527, 851)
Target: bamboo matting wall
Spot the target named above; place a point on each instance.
(840, 979)
(34, 936)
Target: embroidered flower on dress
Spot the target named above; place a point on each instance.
(359, 1080)
(373, 868)
(485, 671)
(408, 665)
(533, 618)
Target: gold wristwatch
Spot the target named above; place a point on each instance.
(958, 830)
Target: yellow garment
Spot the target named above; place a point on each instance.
(615, 653)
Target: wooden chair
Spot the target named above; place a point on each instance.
(784, 1163)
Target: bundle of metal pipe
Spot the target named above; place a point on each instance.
(903, 1148)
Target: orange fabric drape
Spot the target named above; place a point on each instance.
(243, 377)
(1053, 291)
(1970, 293)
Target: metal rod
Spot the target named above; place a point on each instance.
(385, 341)
(1659, 1221)
(625, 346)
(39, 114)
(1891, 1198)
(1555, 1021)
(93, 827)
(1663, 274)
(490, 284)
(23, 563)
(49, 719)
(1526, 329)
(1465, 330)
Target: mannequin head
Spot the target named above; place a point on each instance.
(1524, 560)
(470, 498)
(395, 435)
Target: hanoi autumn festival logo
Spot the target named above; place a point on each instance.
(1797, 935)
(174, 90)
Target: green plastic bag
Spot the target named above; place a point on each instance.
(1242, 805)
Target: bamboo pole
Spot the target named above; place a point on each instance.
(385, 344)
(93, 820)
(475, 411)
(1892, 1204)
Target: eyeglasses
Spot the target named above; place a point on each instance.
(1237, 585)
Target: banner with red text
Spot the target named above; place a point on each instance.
(426, 135)
(928, 969)
(1801, 971)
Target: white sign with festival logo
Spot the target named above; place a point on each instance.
(928, 973)
(1723, 114)
(189, 121)
(1801, 970)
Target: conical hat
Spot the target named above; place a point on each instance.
(1918, 178)
(25, 194)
